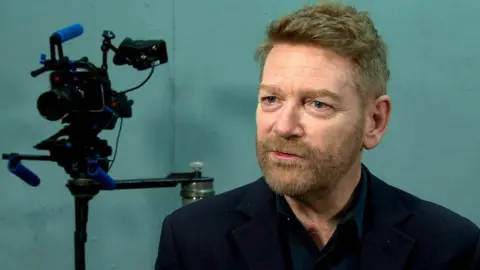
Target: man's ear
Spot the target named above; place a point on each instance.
(378, 116)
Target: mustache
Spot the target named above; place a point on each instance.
(282, 145)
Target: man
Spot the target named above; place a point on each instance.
(321, 101)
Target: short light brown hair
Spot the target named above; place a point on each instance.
(341, 29)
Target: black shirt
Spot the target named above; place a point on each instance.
(340, 253)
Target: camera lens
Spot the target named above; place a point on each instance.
(53, 105)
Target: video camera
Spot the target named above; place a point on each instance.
(82, 97)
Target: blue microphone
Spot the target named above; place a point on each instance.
(68, 33)
(17, 168)
(101, 176)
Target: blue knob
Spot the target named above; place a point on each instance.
(73, 67)
(43, 57)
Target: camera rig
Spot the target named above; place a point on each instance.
(86, 103)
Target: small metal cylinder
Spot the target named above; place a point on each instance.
(193, 192)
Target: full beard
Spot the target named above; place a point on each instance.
(315, 169)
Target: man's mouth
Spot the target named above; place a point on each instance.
(283, 155)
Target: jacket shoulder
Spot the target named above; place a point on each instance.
(425, 217)
(434, 217)
(438, 232)
(433, 225)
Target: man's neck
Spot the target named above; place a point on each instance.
(318, 211)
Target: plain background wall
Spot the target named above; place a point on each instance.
(201, 106)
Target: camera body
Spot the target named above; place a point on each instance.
(83, 96)
(74, 93)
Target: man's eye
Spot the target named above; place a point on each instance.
(318, 104)
(269, 99)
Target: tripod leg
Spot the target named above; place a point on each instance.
(81, 219)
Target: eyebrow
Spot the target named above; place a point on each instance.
(310, 92)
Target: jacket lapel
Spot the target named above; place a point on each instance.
(384, 246)
(258, 239)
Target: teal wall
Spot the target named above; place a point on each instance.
(200, 106)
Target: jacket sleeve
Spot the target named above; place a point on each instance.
(167, 258)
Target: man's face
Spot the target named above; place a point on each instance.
(310, 121)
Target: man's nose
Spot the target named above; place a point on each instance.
(287, 124)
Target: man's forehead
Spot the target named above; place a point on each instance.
(308, 58)
(305, 67)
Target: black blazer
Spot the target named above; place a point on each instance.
(237, 230)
